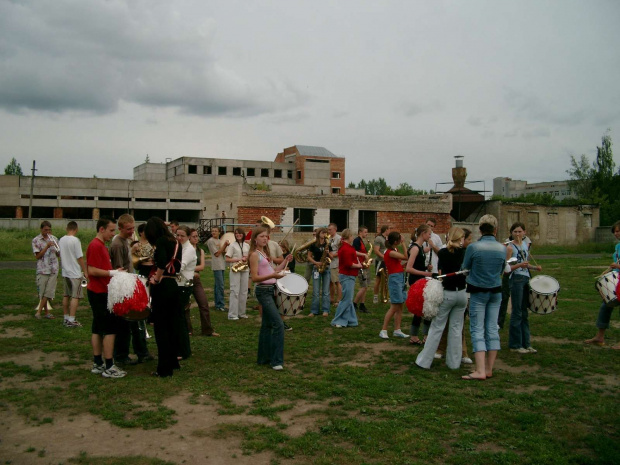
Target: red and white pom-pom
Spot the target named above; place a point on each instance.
(424, 298)
(433, 297)
(618, 290)
(126, 293)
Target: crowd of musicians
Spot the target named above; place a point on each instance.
(478, 278)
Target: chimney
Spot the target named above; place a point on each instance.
(459, 173)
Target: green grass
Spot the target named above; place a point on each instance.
(371, 406)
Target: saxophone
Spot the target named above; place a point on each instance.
(325, 258)
(366, 263)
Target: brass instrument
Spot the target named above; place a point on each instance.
(240, 266)
(266, 221)
(301, 253)
(366, 263)
(384, 292)
(325, 258)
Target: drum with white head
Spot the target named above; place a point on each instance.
(291, 291)
(606, 285)
(543, 294)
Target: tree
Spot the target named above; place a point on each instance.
(380, 187)
(147, 159)
(13, 168)
(597, 183)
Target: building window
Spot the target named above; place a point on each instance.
(587, 220)
(250, 172)
(305, 217)
(236, 171)
(335, 190)
(208, 170)
(532, 219)
(290, 174)
(298, 174)
(221, 170)
(277, 173)
(264, 172)
(367, 218)
(192, 169)
(335, 175)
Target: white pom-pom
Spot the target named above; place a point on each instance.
(121, 287)
(433, 297)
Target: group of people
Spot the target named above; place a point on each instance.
(475, 278)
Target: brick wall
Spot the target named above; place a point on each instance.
(249, 215)
(406, 222)
(337, 164)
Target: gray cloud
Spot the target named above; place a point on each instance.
(529, 106)
(55, 57)
(414, 109)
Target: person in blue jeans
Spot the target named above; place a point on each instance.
(519, 334)
(605, 311)
(485, 261)
(320, 279)
(348, 268)
(263, 274)
(217, 248)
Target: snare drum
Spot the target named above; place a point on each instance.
(543, 294)
(606, 286)
(291, 291)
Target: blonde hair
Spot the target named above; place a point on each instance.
(344, 235)
(125, 219)
(454, 237)
(255, 233)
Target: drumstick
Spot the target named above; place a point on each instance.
(605, 272)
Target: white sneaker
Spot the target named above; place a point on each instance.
(233, 317)
(339, 326)
(278, 368)
(531, 350)
(520, 350)
(467, 361)
(113, 372)
(97, 369)
(399, 333)
(243, 316)
(438, 356)
(375, 299)
(383, 334)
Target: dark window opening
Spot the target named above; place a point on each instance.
(264, 172)
(340, 217)
(277, 173)
(251, 172)
(306, 219)
(192, 169)
(221, 170)
(367, 218)
(236, 171)
(207, 170)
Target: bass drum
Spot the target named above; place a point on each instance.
(543, 294)
(291, 291)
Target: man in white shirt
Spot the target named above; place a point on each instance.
(73, 271)
(217, 249)
(434, 244)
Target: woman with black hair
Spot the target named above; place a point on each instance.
(165, 296)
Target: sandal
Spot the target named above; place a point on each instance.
(49, 316)
(594, 342)
(471, 378)
(416, 343)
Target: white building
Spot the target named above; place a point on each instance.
(509, 188)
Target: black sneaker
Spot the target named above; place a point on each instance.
(363, 308)
(355, 305)
(146, 358)
(287, 327)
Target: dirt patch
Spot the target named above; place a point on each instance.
(36, 359)
(14, 307)
(501, 365)
(553, 340)
(528, 389)
(6, 318)
(66, 437)
(6, 333)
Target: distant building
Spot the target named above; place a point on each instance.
(509, 188)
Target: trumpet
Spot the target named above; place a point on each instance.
(84, 281)
(54, 243)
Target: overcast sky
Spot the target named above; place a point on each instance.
(397, 87)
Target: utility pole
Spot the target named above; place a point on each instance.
(34, 164)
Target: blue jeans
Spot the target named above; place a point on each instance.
(519, 333)
(320, 292)
(483, 312)
(271, 336)
(604, 316)
(345, 312)
(219, 288)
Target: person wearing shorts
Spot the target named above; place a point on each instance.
(73, 271)
(45, 250)
(396, 284)
(105, 323)
(335, 289)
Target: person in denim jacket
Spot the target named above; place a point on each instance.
(485, 261)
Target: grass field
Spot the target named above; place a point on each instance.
(345, 396)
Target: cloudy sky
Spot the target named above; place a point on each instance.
(397, 87)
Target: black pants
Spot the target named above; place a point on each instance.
(165, 305)
(133, 331)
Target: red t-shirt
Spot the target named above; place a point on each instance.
(97, 255)
(393, 265)
(347, 256)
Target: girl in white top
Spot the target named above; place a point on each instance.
(188, 265)
(237, 252)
